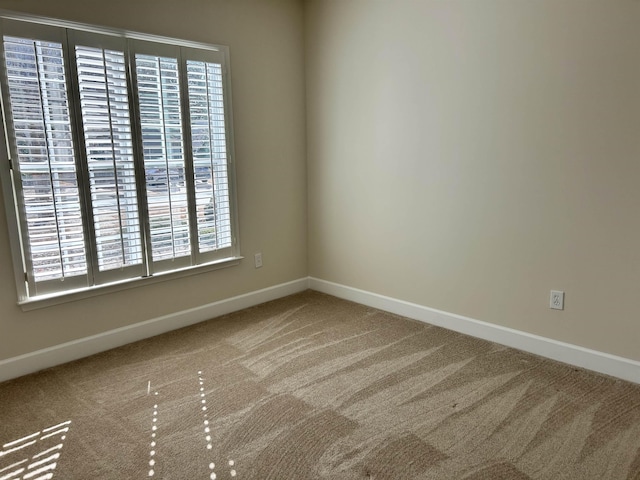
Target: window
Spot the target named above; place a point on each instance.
(118, 156)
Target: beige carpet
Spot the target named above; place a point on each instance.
(313, 387)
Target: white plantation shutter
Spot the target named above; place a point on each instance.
(158, 87)
(119, 159)
(44, 153)
(209, 146)
(106, 126)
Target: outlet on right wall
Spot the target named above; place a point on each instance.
(472, 156)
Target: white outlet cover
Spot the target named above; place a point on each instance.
(556, 300)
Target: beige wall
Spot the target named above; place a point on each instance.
(266, 51)
(470, 156)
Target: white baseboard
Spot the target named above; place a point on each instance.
(615, 366)
(66, 352)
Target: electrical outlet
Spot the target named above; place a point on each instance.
(556, 300)
(258, 260)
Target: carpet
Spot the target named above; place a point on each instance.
(314, 387)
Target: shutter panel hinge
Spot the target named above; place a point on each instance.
(10, 164)
(26, 277)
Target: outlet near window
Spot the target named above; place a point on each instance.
(556, 300)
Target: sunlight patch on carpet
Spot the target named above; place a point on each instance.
(201, 398)
(154, 433)
(34, 456)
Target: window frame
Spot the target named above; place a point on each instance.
(70, 34)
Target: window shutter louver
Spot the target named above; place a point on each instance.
(45, 155)
(163, 151)
(208, 139)
(102, 85)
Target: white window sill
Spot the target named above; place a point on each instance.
(57, 298)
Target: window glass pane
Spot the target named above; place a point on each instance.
(208, 138)
(107, 132)
(164, 163)
(45, 156)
